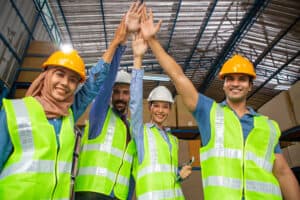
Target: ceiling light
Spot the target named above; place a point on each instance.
(67, 48)
(156, 77)
(282, 87)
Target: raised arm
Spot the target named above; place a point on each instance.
(183, 85)
(139, 47)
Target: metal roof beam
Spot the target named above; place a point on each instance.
(174, 24)
(274, 42)
(21, 17)
(274, 74)
(10, 48)
(243, 27)
(199, 35)
(65, 20)
(103, 21)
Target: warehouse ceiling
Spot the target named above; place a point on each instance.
(200, 35)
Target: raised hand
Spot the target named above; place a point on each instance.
(121, 32)
(139, 45)
(148, 28)
(133, 17)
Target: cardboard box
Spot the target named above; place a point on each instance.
(33, 62)
(192, 187)
(194, 147)
(20, 93)
(41, 48)
(28, 76)
(280, 109)
(292, 155)
(170, 121)
(184, 117)
(294, 93)
(183, 152)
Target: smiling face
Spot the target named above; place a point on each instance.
(120, 97)
(159, 111)
(63, 83)
(236, 87)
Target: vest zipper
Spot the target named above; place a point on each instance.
(126, 145)
(55, 180)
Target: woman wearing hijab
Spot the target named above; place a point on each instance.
(36, 133)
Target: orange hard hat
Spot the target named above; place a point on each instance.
(70, 60)
(237, 65)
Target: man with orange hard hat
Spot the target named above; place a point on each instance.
(240, 157)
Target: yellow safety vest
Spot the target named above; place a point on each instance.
(37, 168)
(156, 175)
(232, 167)
(104, 162)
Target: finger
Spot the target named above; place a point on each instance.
(136, 6)
(133, 37)
(131, 7)
(157, 26)
(140, 8)
(150, 14)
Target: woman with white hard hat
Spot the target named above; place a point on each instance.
(156, 166)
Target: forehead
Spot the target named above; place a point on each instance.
(161, 103)
(121, 87)
(237, 75)
(67, 71)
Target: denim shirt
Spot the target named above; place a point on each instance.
(136, 108)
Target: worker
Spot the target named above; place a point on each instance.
(240, 157)
(157, 149)
(37, 137)
(105, 162)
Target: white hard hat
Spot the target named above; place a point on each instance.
(123, 77)
(160, 93)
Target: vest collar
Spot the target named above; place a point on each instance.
(151, 125)
(251, 110)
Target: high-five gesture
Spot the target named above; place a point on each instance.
(139, 47)
(133, 17)
(148, 28)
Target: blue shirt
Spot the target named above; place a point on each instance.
(202, 116)
(101, 103)
(83, 97)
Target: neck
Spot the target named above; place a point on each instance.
(159, 125)
(239, 107)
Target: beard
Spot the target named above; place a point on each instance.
(121, 109)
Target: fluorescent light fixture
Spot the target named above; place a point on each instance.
(156, 77)
(67, 48)
(282, 87)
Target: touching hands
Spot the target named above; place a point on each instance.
(121, 32)
(133, 17)
(148, 28)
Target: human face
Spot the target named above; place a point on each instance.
(120, 97)
(63, 83)
(159, 111)
(236, 87)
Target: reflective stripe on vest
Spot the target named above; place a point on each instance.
(154, 167)
(100, 171)
(162, 194)
(258, 186)
(220, 151)
(107, 147)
